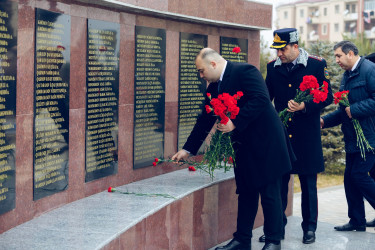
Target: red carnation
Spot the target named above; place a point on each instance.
(209, 95)
(156, 159)
(154, 164)
(230, 160)
(236, 50)
(224, 119)
(191, 168)
(111, 189)
(339, 96)
(208, 109)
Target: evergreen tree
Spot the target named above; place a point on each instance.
(363, 44)
(265, 57)
(332, 138)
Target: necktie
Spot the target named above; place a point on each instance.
(218, 85)
(289, 66)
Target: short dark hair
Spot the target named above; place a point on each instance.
(346, 46)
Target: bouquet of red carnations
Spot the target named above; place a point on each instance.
(309, 89)
(220, 152)
(221, 147)
(362, 143)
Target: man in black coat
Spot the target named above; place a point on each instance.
(284, 76)
(260, 143)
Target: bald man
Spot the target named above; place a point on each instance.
(259, 140)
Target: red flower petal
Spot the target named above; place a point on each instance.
(236, 50)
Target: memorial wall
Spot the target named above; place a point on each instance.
(103, 45)
(51, 103)
(91, 93)
(8, 76)
(149, 95)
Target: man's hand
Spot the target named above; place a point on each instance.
(347, 110)
(182, 154)
(227, 127)
(321, 122)
(295, 106)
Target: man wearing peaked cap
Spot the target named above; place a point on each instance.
(284, 76)
(282, 37)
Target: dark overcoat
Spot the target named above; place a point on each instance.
(259, 138)
(361, 86)
(304, 128)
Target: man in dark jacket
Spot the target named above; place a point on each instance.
(284, 77)
(359, 80)
(260, 143)
(371, 223)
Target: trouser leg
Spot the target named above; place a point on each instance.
(272, 210)
(284, 195)
(362, 180)
(354, 197)
(309, 202)
(247, 210)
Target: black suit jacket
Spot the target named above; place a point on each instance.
(259, 137)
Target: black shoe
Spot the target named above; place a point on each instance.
(272, 246)
(235, 245)
(370, 223)
(263, 238)
(350, 227)
(308, 237)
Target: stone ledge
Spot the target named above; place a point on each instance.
(194, 220)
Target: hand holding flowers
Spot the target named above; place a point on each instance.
(220, 152)
(309, 89)
(342, 98)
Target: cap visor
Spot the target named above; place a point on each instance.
(278, 45)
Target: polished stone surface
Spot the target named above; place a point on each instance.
(95, 221)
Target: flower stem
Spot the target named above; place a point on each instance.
(145, 194)
(362, 142)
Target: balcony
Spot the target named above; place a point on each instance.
(350, 17)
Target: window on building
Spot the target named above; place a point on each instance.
(337, 9)
(348, 7)
(301, 13)
(336, 27)
(325, 11)
(285, 14)
(324, 29)
(301, 30)
(353, 8)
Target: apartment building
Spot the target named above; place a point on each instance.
(328, 20)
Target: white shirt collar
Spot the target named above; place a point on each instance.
(222, 73)
(356, 63)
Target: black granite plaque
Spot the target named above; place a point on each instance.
(226, 47)
(191, 86)
(8, 73)
(51, 115)
(149, 92)
(103, 46)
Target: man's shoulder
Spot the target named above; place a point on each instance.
(272, 61)
(315, 58)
